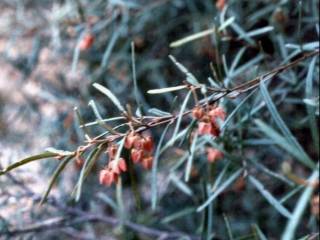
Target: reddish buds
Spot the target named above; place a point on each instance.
(208, 120)
(86, 42)
(198, 113)
(213, 155)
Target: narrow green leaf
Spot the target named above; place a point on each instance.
(154, 190)
(280, 123)
(182, 109)
(109, 48)
(180, 184)
(192, 37)
(226, 23)
(178, 215)
(190, 77)
(283, 143)
(134, 76)
(27, 160)
(294, 221)
(82, 173)
(105, 198)
(219, 190)
(190, 158)
(310, 109)
(110, 95)
(168, 89)
(54, 177)
(268, 196)
(259, 232)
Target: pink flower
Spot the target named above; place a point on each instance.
(217, 112)
(117, 166)
(107, 177)
(213, 154)
(136, 155)
(204, 128)
(147, 162)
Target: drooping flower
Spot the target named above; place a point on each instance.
(86, 42)
(213, 154)
(107, 177)
(217, 112)
(220, 4)
(147, 162)
(136, 155)
(198, 112)
(112, 151)
(117, 166)
(148, 144)
(204, 128)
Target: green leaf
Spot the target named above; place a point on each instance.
(190, 77)
(294, 221)
(268, 196)
(190, 158)
(27, 160)
(182, 109)
(219, 190)
(154, 190)
(280, 123)
(259, 232)
(310, 109)
(134, 76)
(110, 95)
(180, 184)
(168, 89)
(283, 143)
(54, 177)
(192, 37)
(177, 215)
(82, 173)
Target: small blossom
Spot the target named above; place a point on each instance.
(117, 166)
(107, 177)
(86, 42)
(148, 144)
(213, 154)
(217, 112)
(112, 151)
(215, 131)
(220, 4)
(198, 112)
(130, 139)
(136, 155)
(204, 128)
(147, 162)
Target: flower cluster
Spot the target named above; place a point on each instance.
(208, 119)
(111, 172)
(140, 151)
(141, 148)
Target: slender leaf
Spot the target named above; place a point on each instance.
(293, 222)
(271, 199)
(28, 160)
(182, 109)
(168, 89)
(154, 190)
(219, 190)
(110, 95)
(190, 158)
(54, 177)
(283, 143)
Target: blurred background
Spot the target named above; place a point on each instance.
(52, 51)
